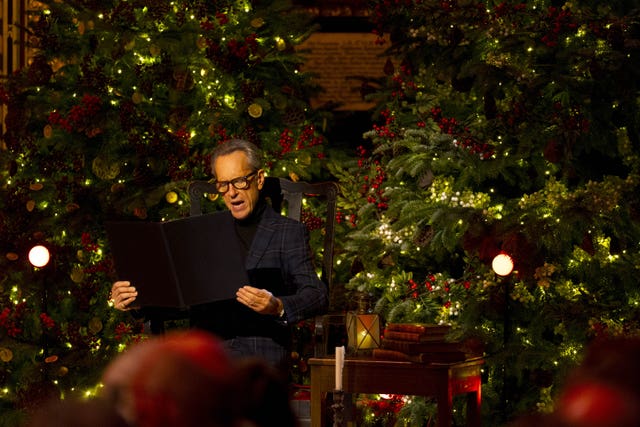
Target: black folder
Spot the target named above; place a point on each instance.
(179, 263)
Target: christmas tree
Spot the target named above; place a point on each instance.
(503, 128)
(119, 108)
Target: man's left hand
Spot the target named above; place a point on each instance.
(259, 300)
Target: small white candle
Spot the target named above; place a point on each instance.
(339, 366)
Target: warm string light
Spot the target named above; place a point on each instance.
(39, 256)
(502, 264)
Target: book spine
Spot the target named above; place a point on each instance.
(414, 336)
(406, 327)
(385, 354)
(420, 347)
(417, 328)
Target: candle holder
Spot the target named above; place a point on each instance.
(338, 408)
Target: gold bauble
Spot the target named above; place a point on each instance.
(136, 98)
(95, 325)
(5, 354)
(255, 110)
(72, 207)
(77, 275)
(201, 43)
(171, 197)
(12, 256)
(51, 359)
(36, 186)
(31, 205)
(257, 22)
(47, 131)
(105, 169)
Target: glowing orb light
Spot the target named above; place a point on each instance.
(39, 256)
(502, 264)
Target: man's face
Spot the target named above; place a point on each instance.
(234, 165)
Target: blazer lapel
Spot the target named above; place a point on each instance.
(262, 239)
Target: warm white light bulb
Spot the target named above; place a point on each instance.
(502, 264)
(39, 256)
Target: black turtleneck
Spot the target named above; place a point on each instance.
(246, 228)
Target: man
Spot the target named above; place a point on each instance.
(278, 258)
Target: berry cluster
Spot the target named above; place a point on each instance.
(386, 130)
(306, 139)
(559, 19)
(464, 139)
(373, 185)
(80, 117)
(88, 244)
(47, 321)
(313, 222)
(10, 322)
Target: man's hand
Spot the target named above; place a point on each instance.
(122, 295)
(259, 300)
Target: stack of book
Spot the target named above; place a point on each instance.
(422, 343)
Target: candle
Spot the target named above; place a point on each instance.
(339, 366)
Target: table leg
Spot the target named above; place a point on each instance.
(444, 401)
(473, 408)
(317, 397)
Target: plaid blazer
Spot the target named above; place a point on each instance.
(283, 243)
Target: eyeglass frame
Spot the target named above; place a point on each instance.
(241, 179)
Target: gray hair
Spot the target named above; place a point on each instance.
(254, 155)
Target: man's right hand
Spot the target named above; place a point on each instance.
(122, 295)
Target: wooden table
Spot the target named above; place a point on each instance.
(441, 381)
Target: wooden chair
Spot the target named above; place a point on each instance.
(287, 197)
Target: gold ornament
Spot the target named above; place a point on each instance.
(95, 325)
(255, 110)
(12, 256)
(5, 354)
(51, 359)
(31, 205)
(201, 43)
(257, 22)
(171, 197)
(72, 207)
(47, 131)
(212, 196)
(62, 371)
(77, 275)
(81, 27)
(36, 186)
(80, 255)
(281, 44)
(105, 169)
(136, 98)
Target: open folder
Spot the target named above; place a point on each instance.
(179, 263)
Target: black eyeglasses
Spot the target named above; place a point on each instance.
(240, 183)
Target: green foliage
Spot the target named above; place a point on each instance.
(510, 127)
(118, 110)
